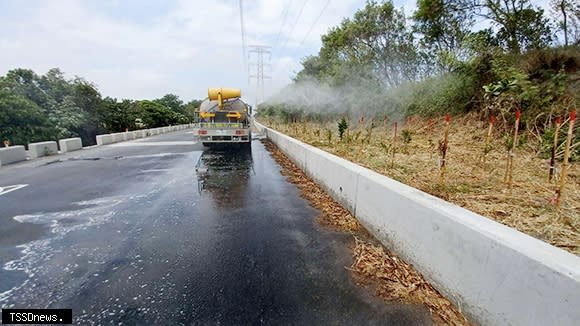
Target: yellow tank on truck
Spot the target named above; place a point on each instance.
(224, 105)
(222, 94)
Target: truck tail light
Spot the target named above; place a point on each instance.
(202, 132)
(239, 132)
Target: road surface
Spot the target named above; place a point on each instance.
(163, 231)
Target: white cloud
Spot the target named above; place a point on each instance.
(139, 53)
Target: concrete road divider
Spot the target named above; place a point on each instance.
(18, 153)
(45, 148)
(496, 275)
(70, 144)
(118, 137)
(104, 139)
(129, 135)
(12, 154)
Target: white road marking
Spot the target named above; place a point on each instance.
(159, 143)
(6, 189)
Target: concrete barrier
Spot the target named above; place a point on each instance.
(130, 135)
(70, 144)
(495, 274)
(118, 137)
(104, 139)
(12, 154)
(36, 150)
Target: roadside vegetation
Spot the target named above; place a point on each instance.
(483, 118)
(474, 172)
(50, 107)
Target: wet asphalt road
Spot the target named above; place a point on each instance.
(162, 231)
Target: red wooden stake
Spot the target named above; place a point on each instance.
(394, 144)
(443, 148)
(510, 165)
(554, 149)
(566, 163)
(488, 138)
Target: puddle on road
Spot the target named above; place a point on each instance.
(223, 176)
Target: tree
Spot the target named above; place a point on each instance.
(520, 25)
(445, 26)
(171, 101)
(88, 99)
(67, 118)
(376, 41)
(116, 116)
(311, 68)
(155, 115)
(26, 83)
(190, 108)
(22, 121)
(568, 18)
(54, 85)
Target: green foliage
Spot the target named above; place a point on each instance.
(49, 107)
(376, 63)
(547, 141)
(342, 126)
(385, 147)
(376, 44)
(22, 121)
(444, 29)
(508, 142)
(407, 135)
(567, 19)
(156, 115)
(329, 136)
(521, 26)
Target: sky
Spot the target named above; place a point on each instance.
(144, 49)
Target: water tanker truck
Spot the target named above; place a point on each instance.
(223, 118)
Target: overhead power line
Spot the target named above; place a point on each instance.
(295, 23)
(284, 15)
(315, 22)
(243, 35)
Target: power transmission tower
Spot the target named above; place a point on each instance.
(258, 52)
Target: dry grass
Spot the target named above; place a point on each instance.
(527, 206)
(373, 265)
